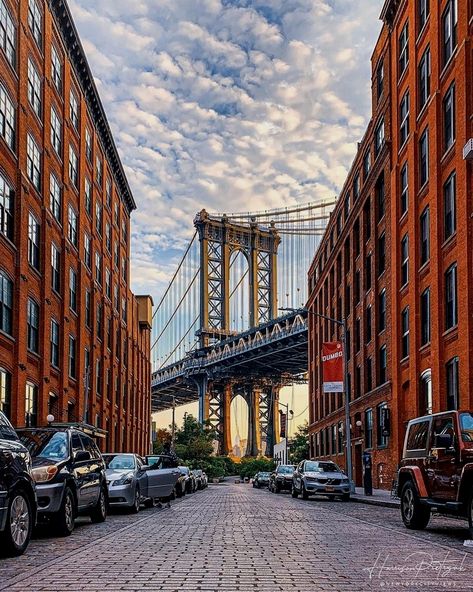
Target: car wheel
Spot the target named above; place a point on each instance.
(173, 495)
(19, 525)
(179, 492)
(346, 497)
(65, 518)
(305, 495)
(294, 491)
(99, 513)
(135, 508)
(414, 515)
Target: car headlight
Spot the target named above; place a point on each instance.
(125, 480)
(44, 474)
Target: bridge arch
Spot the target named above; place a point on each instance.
(239, 290)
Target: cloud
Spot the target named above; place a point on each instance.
(228, 105)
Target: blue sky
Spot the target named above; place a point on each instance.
(227, 104)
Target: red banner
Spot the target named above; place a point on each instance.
(283, 420)
(332, 366)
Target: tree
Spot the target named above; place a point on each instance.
(162, 435)
(193, 441)
(299, 444)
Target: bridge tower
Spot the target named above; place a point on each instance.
(219, 240)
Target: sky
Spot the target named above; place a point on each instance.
(228, 105)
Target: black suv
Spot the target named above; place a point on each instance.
(17, 492)
(281, 478)
(70, 475)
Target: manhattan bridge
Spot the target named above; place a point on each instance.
(222, 327)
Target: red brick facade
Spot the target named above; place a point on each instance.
(427, 226)
(66, 303)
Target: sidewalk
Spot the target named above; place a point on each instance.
(380, 497)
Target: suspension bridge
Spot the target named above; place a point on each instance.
(219, 330)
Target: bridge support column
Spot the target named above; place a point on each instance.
(226, 442)
(253, 447)
(202, 383)
(273, 428)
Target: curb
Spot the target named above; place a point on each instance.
(376, 502)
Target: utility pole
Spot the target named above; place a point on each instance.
(173, 427)
(288, 411)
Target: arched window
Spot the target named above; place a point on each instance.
(425, 393)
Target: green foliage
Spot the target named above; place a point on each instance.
(299, 445)
(162, 435)
(250, 466)
(194, 442)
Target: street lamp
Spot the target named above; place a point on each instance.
(341, 323)
(288, 411)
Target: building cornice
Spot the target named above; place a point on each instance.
(70, 36)
(388, 14)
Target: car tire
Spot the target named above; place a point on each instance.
(294, 492)
(173, 495)
(135, 508)
(19, 526)
(304, 493)
(346, 497)
(99, 513)
(179, 492)
(65, 518)
(414, 515)
(150, 503)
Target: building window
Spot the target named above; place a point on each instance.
(55, 197)
(6, 304)
(449, 117)
(369, 428)
(382, 424)
(72, 357)
(87, 251)
(115, 297)
(124, 269)
(72, 231)
(99, 320)
(108, 237)
(368, 324)
(356, 187)
(98, 377)
(379, 79)
(405, 332)
(74, 109)
(31, 405)
(5, 392)
(424, 79)
(88, 309)
(425, 236)
(99, 218)
(425, 317)
(125, 231)
(54, 343)
(98, 268)
(356, 288)
(380, 196)
(449, 207)
(73, 290)
(404, 260)
(404, 49)
(33, 241)
(404, 118)
(7, 118)
(55, 268)
(367, 218)
(383, 364)
(381, 253)
(56, 132)
(369, 375)
(424, 158)
(99, 170)
(88, 196)
(7, 34)
(33, 326)
(33, 162)
(382, 311)
(366, 164)
(7, 196)
(368, 272)
(35, 19)
(425, 393)
(346, 207)
(404, 182)
(56, 68)
(451, 313)
(452, 384)
(379, 138)
(125, 308)
(34, 88)
(73, 167)
(108, 284)
(449, 30)
(424, 10)
(88, 144)
(108, 192)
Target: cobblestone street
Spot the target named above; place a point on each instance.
(232, 537)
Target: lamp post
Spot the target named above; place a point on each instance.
(341, 323)
(288, 411)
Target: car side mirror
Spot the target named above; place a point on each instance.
(82, 456)
(145, 468)
(443, 441)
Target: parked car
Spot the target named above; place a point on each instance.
(313, 477)
(261, 479)
(70, 475)
(17, 492)
(165, 461)
(200, 479)
(189, 484)
(436, 470)
(281, 478)
(131, 482)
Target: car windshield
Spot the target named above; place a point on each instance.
(184, 470)
(286, 470)
(466, 424)
(46, 444)
(119, 461)
(264, 475)
(322, 467)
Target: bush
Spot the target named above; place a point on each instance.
(249, 467)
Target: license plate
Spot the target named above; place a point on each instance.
(329, 488)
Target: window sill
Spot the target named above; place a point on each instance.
(423, 30)
(451, 334)
(450, 242)
(448, 154)
(448, 65)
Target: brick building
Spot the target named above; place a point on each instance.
(74, 341)
(407, 351)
